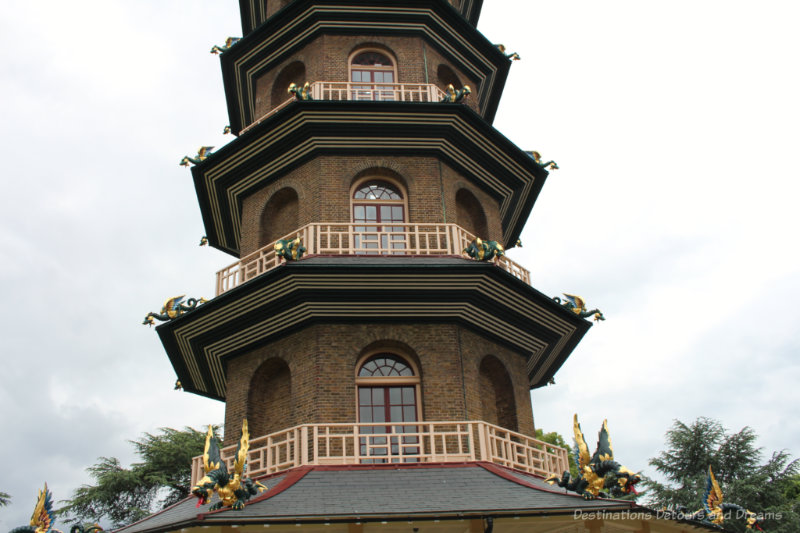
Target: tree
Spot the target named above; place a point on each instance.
(557, 440)
(770, 488)
(5, 499)
(124, 495)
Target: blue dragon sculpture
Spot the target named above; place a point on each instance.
(715, 510)
(43, 518)
(232, 488)
(599, 472)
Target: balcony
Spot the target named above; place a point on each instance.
(373, 92)
(410, 442)
(358, 239)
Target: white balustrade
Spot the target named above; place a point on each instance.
(397, 442)
(372, 92)
(361, 239)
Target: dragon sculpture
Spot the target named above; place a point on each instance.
(230, 41)
(290, 250)
(300, 93)
(202, 155)
(537, 158)
(715, 511)
(233, 490)
(226, 130)
(203, 241)
(43, 517)
(597, 473)
(513, 56)
(484, 250)
(577, 305)
(453, 96)
(174, 307)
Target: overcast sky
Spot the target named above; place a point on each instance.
(676, 128)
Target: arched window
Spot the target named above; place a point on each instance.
(372, 76)
(388, 388)
(378, 213)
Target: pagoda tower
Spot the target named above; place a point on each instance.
(384, 373)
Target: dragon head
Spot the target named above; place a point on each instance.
(625, 482)
(206, 487)
(753, 520)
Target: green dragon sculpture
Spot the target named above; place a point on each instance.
(513, 56)
(290, 250)
(233, 490)
(300, 93)
(43, 517)
(226, 130)
(202, 155)
(172, 308)
(456, 97)
(577, 305)
(537, 158)
(230, 41)
(484, 250)
(203, 241)
(598, 472)
(714, 510)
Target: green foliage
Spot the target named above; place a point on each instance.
(557, 440)
(5, 499)
(124, 495)
(771, 487)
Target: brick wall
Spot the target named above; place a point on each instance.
(309, 376)
(326, 58)
(323, 187)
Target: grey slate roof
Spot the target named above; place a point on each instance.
(385, 491)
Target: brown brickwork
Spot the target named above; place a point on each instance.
(320, 361)
(326, 59)
(323, 188)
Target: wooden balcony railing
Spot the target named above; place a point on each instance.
(371, 92)
(407, 442)
(359, 239)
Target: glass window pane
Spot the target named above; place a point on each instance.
(363, 396)
(388, 77)
(395, 396)
(396, 414)
(386, 213)
(371, 213)
(377, 396)
(378, 414)
(365, 414)
(358, 212)
(409, 413)
(397, 213)
(408, 395)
